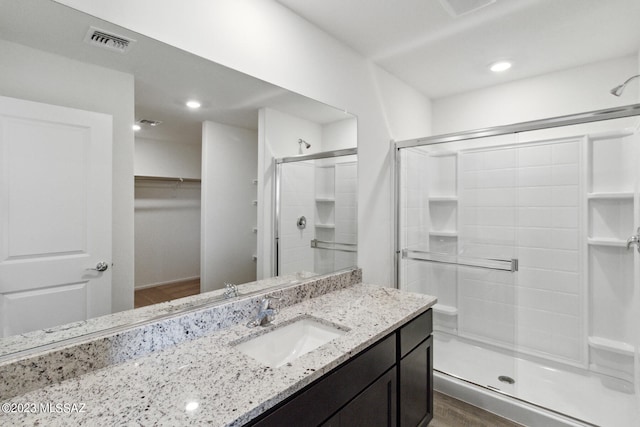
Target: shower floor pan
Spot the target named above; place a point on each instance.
(581, 397)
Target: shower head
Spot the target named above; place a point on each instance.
(306, 144)
(617, 91)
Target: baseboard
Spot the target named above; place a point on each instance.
(170, 282)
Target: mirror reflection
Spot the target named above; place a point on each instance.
(135, 173)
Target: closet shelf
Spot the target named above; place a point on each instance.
(165, 178)
(612, 195)
(601, 241)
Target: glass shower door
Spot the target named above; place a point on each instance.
(458, 212)
(317, 215)
(523, 239)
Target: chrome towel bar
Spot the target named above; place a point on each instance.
(487, 263)
(333, 246)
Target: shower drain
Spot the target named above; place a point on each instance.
(506, 379)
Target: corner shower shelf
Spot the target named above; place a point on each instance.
(325, 199)
(607, 242)
(614, 346)
(610, 195)
(444, 233)
(443, 199)
(446, 310)
(325, 225)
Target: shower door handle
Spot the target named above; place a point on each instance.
(634, 240)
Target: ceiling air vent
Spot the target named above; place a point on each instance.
(457, 8)
(98, 37)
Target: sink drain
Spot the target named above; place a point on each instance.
(506, 379)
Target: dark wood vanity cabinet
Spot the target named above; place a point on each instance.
(390, 384)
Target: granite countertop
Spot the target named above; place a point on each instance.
(207, 381)
(42, 337)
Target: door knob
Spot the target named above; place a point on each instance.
(101, 266)
(634, 240)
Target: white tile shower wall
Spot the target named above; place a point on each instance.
(297, 199)
(346, 200)
(415, 220)
(325, 183)
(524, 202)
(425, 180)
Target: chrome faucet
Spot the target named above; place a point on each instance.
(266, 314)
(231, 291)
(634, 240)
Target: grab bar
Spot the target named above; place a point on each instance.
(440, 258)
(318, 244)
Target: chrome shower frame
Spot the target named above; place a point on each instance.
(277, 176)
(552, 122)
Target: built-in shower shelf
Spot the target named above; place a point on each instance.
(325, 199)
(611, 196)
(325, 226)
(607, 242)
(443, 199)
(446, 310)
(614, 346)
(443, 233)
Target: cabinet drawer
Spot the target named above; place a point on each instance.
(323, 398)
(416, 331)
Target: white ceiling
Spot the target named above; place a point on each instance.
(165, 77)
(419, 42)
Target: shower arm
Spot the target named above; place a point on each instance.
(617, 91)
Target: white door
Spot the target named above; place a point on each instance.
(55, 215)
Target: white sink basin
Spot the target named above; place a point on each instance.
(289, 341)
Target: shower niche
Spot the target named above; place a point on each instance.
(610, 218)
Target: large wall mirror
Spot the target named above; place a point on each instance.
(98, 217)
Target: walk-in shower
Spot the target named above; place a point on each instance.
(315, 218)
(521, 232)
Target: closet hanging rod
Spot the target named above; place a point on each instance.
(318, 244)
(166, 178)
(440, 258)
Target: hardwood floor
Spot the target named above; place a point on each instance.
(450, 412)
(156, 294)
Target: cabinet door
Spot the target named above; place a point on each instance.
(374, 407)
(416, 386)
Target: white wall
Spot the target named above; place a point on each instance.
(560, 93)
(263, 39)
(167, 232)
(167, 158)
(229, 159)
(167, 213)
(43, 77)
(340, 134)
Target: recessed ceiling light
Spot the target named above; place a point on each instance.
(193, 104)
(136, 128)
(500, 66)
